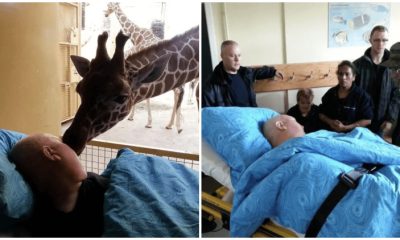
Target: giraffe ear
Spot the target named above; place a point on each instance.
(81, 64)
(153, 71)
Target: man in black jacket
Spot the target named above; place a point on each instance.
(231, 84)
(375, 79)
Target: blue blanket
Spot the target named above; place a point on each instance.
(290, 182)
(150, 197)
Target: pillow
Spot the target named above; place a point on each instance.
(16, 197)
(212, 165)
(236, 135)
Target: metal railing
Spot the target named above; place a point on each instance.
(97, 154)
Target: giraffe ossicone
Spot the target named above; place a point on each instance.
(110, 87)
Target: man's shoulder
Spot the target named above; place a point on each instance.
(358, 91)
(360, 60)
(293, 110)
(314, 107)
(97, 180)
(364, 59)
(332, 90)
(243, 69)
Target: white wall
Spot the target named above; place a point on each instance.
(260, 38)
(279, 33)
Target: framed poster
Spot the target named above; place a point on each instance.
(350, 24)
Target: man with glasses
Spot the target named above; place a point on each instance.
(375, 80)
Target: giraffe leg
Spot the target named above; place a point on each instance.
(190, 96)
(130, 118)
(171, 121)
(198, 96)
(178, 110)
(149, 117)
(178, 120)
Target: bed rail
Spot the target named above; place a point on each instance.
(221, 210)
(98, 153)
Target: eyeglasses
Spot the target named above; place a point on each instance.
(384, 40)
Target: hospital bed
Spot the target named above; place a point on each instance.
(215, 207)
(302, 75)
(287, 185)
(241, 140)
(131, 212)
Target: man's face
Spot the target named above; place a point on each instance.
(345, 77)
(231, 58)
(71, 166)
(378, 41)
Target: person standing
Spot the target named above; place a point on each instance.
(375, 80)
(230, 84)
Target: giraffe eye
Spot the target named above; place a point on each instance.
(120, 99)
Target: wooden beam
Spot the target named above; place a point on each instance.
(300, 75)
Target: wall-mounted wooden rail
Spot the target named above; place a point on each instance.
(300, 75)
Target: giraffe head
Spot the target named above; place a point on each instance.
(106, 96)
(111, 7)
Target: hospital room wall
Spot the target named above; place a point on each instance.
(279, 33)
(29, 87)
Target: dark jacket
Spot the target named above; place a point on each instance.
(215, 90)
(383, 91)
(311, 122)
(85, 220)
(356, 106)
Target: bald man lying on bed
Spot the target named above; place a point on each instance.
(281, 128)
(68, 201)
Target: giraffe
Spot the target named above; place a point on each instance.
(110, 87)
(192, 90)
(142, 38)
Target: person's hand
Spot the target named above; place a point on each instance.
(386, 128)
(338, 126)
(333, 124)
(279, 75)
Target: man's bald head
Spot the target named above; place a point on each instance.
(281, 128)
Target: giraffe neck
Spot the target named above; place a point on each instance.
(140, 37)
(179, 57)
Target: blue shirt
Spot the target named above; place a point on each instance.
(238, 90)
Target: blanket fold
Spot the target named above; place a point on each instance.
(290, 182)
(150, 197)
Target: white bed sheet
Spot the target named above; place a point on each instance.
(214, 166)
